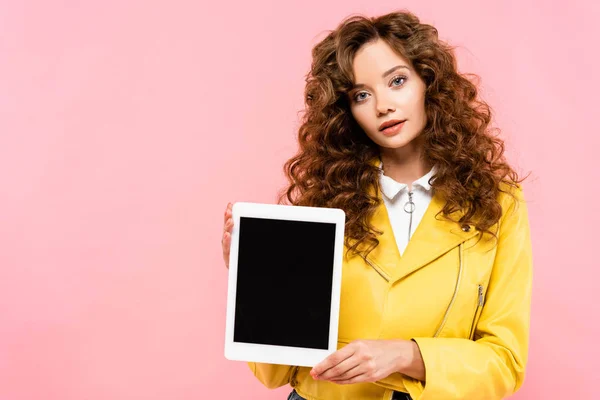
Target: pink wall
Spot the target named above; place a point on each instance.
(126, 127)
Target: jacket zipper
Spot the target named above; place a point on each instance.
(411, 212)
(293, 381)
(479, 305)
(460, 267)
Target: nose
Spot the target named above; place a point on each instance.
(383, 106)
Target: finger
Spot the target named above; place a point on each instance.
(226, 240)
(333, 360)
(228, 226)
(344, 370)
(227, 212)
(355, 371)
(355, 379)
(226, 246)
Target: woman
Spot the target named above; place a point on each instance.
(436, 279)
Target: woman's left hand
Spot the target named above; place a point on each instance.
(365, 361)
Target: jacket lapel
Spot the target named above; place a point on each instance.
(431, 239)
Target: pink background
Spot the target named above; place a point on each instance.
(126, 127)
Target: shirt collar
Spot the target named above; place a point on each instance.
(391, 188)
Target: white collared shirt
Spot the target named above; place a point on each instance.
(395, 196)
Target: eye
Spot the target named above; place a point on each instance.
(396, 78)
(357, 98)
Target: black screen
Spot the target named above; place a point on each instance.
(284, 278)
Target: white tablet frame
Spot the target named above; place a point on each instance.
(273, 354)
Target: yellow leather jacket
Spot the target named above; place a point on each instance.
(466, 305)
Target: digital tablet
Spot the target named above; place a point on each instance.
(283, 293)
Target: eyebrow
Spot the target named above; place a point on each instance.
(386, 73)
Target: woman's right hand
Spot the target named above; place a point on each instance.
(227, 229)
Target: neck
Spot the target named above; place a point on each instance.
(406, 164)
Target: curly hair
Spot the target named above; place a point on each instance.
(332, 167)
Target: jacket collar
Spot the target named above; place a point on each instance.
(432, 238)
(390, 188)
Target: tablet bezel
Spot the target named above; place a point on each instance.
(274, 354)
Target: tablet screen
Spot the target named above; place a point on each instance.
(284, 282)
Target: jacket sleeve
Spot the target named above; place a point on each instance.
(492, 366)
(271, 375)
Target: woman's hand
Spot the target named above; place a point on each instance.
(370, 361)
(227, 229)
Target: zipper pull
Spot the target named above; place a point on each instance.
(480, 295)
(409, 206)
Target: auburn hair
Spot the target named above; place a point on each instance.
(332, 167)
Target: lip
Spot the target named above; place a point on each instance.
(390, 123)
(393, 130)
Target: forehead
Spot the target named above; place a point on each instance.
(373, 59)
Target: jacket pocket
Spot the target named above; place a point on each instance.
(454, 294)
(478, 308)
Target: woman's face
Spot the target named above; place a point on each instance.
(387, 88)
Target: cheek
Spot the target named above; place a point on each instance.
(422, 116)
(361, 116)
(419, 106)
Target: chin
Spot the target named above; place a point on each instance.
(394, 142)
